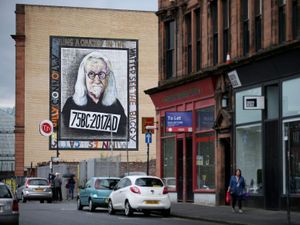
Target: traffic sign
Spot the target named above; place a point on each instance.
(148, 138)
(46, 128)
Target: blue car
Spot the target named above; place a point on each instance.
(95, 193)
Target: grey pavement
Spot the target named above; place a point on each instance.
(224, 214)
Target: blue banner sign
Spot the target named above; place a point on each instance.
(179, 122)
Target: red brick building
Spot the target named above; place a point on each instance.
(213, 54)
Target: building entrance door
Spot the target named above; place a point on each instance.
(179, 174)
(189, 169)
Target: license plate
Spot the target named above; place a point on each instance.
(151, 202)
(39, 189)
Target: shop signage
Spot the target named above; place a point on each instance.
(179, 122)
(46, 128)
(254, 102)
(234, 79)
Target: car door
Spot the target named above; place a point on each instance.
(84, 193)
(116, 194)
(124, 192)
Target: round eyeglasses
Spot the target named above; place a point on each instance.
(101, 75)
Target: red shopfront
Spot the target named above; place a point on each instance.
(187, 160)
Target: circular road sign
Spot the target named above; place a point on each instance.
(46, 128)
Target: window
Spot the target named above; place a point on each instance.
(105, 184)
(225, 29)
(170, 49)
(245, 20)
(295, 18)
(272, 102)
(258, 25)
(214, 14)
(246, 116)
(148, 182)
(249, 156)
(205, 161)
(168, 149)
(290, 97)
(205, 119)
(198, 39)
(188, 26)
(281, 21)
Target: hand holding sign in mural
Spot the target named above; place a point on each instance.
(95, 98)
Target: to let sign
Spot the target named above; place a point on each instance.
(46, 128)
(179, 122)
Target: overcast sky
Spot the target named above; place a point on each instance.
(7, 25)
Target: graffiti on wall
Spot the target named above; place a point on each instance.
(93, 93)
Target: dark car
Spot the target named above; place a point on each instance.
(9, 208)
(95, 193)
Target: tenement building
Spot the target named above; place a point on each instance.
(83, 70)
(228, 98)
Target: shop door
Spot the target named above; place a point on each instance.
(179, 174)
(272, 178)
(227, 164)
(189, 170)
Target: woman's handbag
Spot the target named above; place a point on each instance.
(227, 199)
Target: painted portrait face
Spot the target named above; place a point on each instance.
(96, 72)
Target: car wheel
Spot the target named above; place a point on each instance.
(128, 210)
(166, 212)
(91, 206)
(111, 210)
(79, 206)
(23, 199)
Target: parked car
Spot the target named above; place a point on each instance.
(35, 188)
(9, 208)
(95, 193)
(140, 193)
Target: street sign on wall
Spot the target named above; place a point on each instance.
(254, 102)
(46, 128)
(147, 121)
(179, 122)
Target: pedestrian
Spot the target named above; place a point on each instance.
(70, 186)
(51, 181)
(57, 185)
(236, 189)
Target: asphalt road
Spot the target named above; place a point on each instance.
(35, 213)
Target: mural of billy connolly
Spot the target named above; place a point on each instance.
(94, 107)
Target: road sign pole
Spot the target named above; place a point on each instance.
(147, 158)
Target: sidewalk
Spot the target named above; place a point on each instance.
(223, 214)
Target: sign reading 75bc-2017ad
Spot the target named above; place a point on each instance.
(93, 93)
(179, 122)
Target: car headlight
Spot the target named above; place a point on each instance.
(94, 195)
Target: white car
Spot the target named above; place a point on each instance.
(141, 194)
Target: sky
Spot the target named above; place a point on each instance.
(7, 28)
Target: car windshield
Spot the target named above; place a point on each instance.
(38, 182)
(148, 182)
(105, 184)
(4, 192)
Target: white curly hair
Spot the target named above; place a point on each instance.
(110, 92)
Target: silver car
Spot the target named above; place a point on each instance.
(35, 188)
(9, 208)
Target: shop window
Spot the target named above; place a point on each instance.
(205, 161)
(168, 149)
(170, 49)
(198, 39)
(205, 119)
(245, 21)
(258, 25)
(272, 101)
(290, 97)
(225, 29)
(247, 116)
(188, 26)
(249, 156)
(294, 161)
(281, 20)
(214, 13)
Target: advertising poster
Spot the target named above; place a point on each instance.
(93, 93)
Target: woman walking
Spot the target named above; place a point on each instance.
(236, 188)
